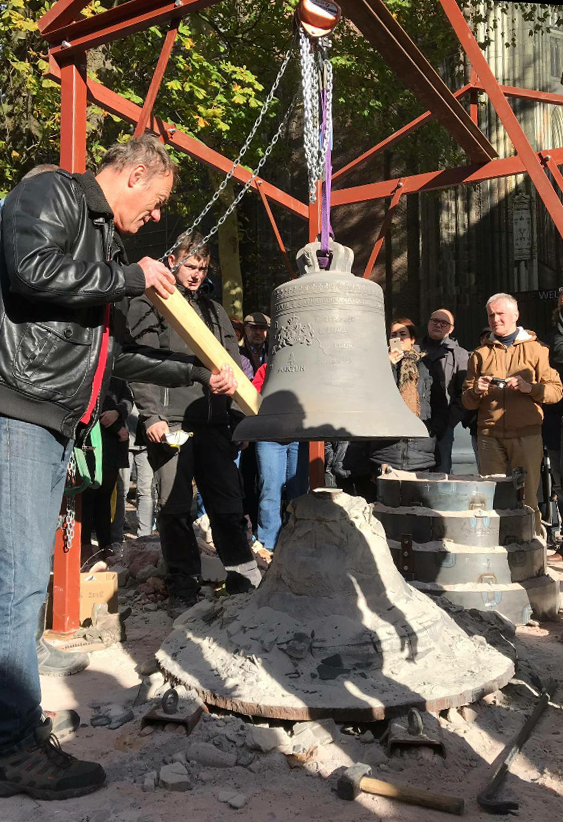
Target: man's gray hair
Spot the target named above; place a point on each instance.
(146, 149)
(507, 297)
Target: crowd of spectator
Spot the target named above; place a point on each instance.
(83, 350)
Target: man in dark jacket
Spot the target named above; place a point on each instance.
(63, 277)
(447, 361)
(254, 349)
(208, 454)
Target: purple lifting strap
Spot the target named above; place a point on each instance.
(326, 228)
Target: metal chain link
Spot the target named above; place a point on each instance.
(242, 152)
(69, 520)
(316, 74)
(241, 193)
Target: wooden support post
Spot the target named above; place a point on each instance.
(182, 317)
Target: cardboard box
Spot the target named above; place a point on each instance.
(98, 587)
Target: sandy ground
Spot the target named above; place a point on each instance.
(274, 791)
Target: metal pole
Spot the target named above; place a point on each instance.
(316, 449)
(73, 115)
(66, 565)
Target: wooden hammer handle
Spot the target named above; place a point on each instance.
(201, 340)
(415, 796)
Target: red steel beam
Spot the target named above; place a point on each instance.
(526, 153)
(435, 180)
(378, 25)
(473, 98)
(108, 100)
(73, 115)
(526, 93)
(156, 81)
(316, 449)
(552, 166)
(276, 231)
(61, 14)
(385, 225)
(66, 576)
(393, 138)
(119, 22)
(66, 565)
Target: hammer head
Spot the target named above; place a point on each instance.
(348, 786)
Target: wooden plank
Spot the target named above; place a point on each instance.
(182, 317)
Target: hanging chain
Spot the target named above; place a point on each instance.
(69, 520)
(225, 182)
(242, 192)
(316, 75)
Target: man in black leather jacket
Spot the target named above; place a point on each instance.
(208, 454)
(64, 284)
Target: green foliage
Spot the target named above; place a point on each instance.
(29, 103)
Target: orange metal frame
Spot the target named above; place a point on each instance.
(70, 35)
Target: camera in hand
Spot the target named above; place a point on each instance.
(498, 381)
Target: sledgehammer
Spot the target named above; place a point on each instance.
(356, 779)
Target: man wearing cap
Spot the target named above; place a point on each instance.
(254, 350)
(447, 361)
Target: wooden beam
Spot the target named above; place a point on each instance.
(201, 340)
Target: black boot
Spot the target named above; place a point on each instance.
(53, 662)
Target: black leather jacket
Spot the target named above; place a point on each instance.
(61, 262)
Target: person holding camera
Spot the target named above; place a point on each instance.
(508, 379)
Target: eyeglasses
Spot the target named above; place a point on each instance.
(440, 323)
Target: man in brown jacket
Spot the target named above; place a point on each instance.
(508, 380)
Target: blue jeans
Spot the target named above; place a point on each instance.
(33, 464)
(279, 465)
(145, 497)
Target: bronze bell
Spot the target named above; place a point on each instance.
(329, 375)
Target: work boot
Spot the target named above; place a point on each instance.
(63, 723)
(242, 578)
(53, 662)
(44, 771)
(178, 604)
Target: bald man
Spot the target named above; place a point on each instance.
(447, 361)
